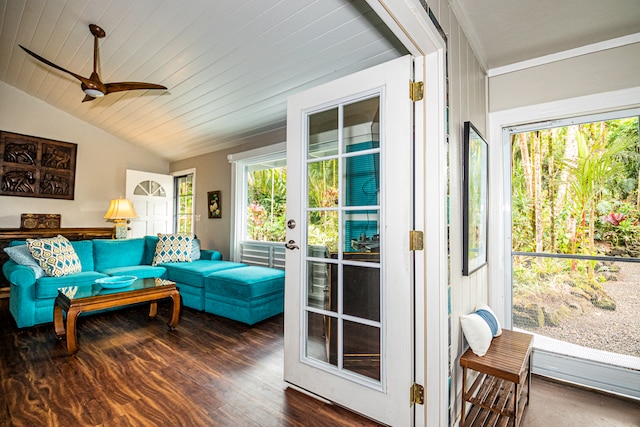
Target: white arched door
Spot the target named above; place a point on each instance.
(152, 198)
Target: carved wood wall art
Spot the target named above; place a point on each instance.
(36, 167)
(30, 221)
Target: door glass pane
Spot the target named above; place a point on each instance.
(323, 183)
(318, 284)
(322, 229)
(361, 233)
(343, 228)
(323, 134)
(361, 127)
(362, 180)
(319, 327)
(362, 349)
(361, 290)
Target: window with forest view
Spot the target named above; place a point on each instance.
(576, 233)
(184, 203)
(266, 201)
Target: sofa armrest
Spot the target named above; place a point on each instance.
(211, 255)
(17, 274)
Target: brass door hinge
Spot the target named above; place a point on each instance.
(416, 240)
(417, 394)
(416, 91)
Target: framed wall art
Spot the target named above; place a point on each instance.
(214, 205)
(475, 202)
(36, 167)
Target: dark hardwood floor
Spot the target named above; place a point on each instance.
(132, 371)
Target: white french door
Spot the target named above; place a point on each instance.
(152, 198)
(348, 290)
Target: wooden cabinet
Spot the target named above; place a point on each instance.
(9, 234)
(500, 392)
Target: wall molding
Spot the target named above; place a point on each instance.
(567, 54)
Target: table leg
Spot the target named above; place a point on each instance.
(58, 321)
(175, 312)
(529, 379)
(153, 309)
(464, 390)
(72, 341)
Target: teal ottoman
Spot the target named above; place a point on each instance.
(246, 294)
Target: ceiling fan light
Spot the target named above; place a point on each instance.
(94, 93)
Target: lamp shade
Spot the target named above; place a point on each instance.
(120, 209)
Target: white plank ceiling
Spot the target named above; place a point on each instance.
(230, 64)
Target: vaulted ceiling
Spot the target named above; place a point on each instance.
(229, 65)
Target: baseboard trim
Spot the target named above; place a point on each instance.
(612, 379)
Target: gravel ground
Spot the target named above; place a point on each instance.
(616, 331)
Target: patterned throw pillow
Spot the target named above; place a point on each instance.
(55, 255)
(173, 248)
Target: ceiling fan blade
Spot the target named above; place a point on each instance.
(87, 98)
(121, 86)
(57, 67)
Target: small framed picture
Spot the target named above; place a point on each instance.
(215, 208)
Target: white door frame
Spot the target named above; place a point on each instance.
(409, 21)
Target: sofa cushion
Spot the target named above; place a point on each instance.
(117, 253)
(140, 271)
(47, 287)
(84, 250)
(55, 255)
(20, 254)
(245, 283)
(193, 273)
(173, 248)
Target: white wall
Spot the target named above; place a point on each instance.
(100, 165)
(597, 72)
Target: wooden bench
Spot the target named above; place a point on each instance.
(498, 395)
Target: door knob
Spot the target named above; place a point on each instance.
(291, 245)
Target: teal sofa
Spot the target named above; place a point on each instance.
(31, 299)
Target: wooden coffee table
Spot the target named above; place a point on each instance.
(84, 299)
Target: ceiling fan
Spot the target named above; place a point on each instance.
(93, 86)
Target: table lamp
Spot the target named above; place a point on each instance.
(120, 211)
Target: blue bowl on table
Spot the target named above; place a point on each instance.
(114, 282)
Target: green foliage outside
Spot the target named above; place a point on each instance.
(184, 215)
(267, 198)
(266, 212)
(574, 191)
(323, 193)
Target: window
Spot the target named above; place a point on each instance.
(259, 178)
(184, 185)
(266, 200)
(575, 227)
